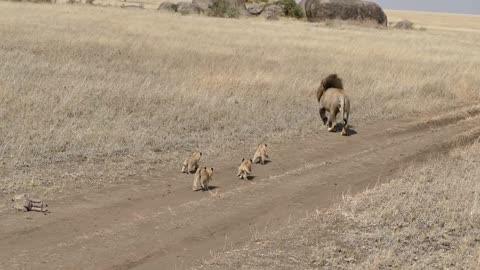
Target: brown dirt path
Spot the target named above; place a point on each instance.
(160, 223)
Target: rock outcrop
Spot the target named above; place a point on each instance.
(254, 8)
(273, 11)
(168, 6)
(188, 8)
(405, 25)
(353, 10)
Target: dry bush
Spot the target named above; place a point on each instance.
(291, 9)
(224, 8)
(89, 96)
(427, 219)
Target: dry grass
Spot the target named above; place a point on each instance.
(439, 21)
(427, 219)
(90, 95)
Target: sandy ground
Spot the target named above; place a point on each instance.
(161, 222)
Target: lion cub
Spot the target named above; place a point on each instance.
(202, 178)
(190, 164)
(260, 154)
(245, 169)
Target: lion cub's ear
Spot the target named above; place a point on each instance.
(211, 169)
(265, 145)
(251, 160)
(243, 159)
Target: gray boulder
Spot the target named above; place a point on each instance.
(188, 8)
(405, 25)
(354, 10)
(203, 5)
(272, 18)
(168, 6)
(273, 11)
(253, 8)
(302, 5)
(132, 5)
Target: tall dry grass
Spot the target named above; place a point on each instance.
(89, 95)
(427, 219)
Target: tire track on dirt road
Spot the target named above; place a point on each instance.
(145, 227)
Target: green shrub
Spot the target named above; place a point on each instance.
(291, 9)
(223, 8)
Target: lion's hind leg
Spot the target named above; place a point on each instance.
(323, 116)
(196, 180)
(191, 167)
(345, 127)
(332, 120)
(241, 174)
(345, 113)
(332, 125)
(184, 166)
(205, 185)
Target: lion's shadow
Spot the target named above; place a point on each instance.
(350, 130)
(265, 162)
(211, 188)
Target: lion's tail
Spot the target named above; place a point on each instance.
(320, 93)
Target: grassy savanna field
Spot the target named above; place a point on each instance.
(90, 96)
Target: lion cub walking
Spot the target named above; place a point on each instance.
(260, 154)
(190, 165)
(202, 178)
(245, 169)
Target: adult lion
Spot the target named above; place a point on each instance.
(332, 99)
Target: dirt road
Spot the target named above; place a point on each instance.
(160, 223)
